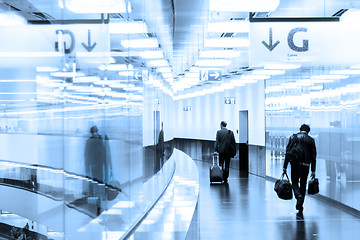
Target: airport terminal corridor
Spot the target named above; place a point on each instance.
(111, 111)
(248, 208)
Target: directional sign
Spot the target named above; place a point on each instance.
(203, 75)
(304, 43)
(88, 46)
(270, 46)
(214, 75)
(187, 109)
(230, 100)
(55, 38)
(138, 75)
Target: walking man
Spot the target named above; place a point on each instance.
(225, 145)
(300, 164)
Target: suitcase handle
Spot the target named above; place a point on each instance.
(216, 156)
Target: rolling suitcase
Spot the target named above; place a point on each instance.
(216, 173)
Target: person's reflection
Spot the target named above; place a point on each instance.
(95, 160)
(298, 229)
(160, 150)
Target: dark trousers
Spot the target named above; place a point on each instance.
(224, 162)
(299, 173)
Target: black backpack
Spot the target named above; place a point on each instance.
(295, 151)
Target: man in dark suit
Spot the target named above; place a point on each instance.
(226, 147)
(300, 170)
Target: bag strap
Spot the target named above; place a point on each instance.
(285, 174)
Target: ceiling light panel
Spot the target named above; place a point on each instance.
(133, 27)
(212, 62)
(158, 63)
(243, 5)
(229, 27)
(226, 42)
(220, 54)
(140, 43)
(96, 6)
(151, 54)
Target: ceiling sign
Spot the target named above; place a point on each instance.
(71, 38)
(214, 75)
(305, 43)
(210, 75)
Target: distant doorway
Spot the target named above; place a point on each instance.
(243, 143)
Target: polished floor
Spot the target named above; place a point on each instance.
(248, 208)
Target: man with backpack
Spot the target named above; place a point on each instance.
(301, 153)
(225, 145)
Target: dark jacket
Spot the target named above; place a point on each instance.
(309, 149)
(224, 136)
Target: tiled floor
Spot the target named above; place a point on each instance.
(250, 209)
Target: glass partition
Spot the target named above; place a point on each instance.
(329, 103)
(83, 116)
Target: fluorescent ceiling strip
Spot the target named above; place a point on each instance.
(151, 54)
(30, 54)
(67, 74)
(96, 6)
(351, 16)
(346, 72)
(10, 18)
(107, 82)
(255, 77)
(243, 5)
(158, 63)
(17, 80)
(86, 79)
(195, 75)
(282, 66)
(226, 42)
(268, 72)
(47, 69)
(329, 76)
(167, 75)
(229, 27)
(26, 93)
(164, 69)
(212, 62)
(52, 84)
(140, 43)
(220, 54)
(126, 73)
(114, 67)
(121, 85)
(125, 27)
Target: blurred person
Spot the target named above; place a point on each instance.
(225, 145)
(160, 147)
(95, 159)
(300, 168)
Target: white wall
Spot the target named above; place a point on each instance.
(156, 100)
(208, 111)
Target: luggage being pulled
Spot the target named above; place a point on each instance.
(216, 172)
(313, 186)
(283, 187)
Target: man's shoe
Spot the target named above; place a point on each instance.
(300, 215)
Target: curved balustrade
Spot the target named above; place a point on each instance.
(103, 204)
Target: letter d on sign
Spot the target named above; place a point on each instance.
(61, 45)
(290, 39)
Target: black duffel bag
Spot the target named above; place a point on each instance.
(313, 186)
(283, 187)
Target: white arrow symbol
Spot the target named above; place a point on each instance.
(216, 75)
(137, 75)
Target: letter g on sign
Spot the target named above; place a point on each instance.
(290, 39)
